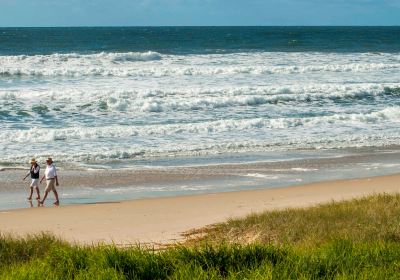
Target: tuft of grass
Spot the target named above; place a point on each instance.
(372, 218)
(14, 251)
(341, 259)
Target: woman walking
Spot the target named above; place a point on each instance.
(34, 172)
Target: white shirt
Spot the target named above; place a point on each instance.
(50, 171)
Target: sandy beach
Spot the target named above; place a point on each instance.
(163, 220)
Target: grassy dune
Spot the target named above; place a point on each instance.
(358, 239)
(370, 219)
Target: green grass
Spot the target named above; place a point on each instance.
(373, 218)
(358, 239)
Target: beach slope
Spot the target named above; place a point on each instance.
(163, 220)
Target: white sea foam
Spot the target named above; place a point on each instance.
(60, 58)
(44, 135)
(115, 106)
(133, 101)
(117, 71)
(152, 64)
(262, 176)
(299, 169)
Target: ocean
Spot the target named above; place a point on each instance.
(128, 96)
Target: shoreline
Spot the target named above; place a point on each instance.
(224, 159)
(241, 173)
(164, 220)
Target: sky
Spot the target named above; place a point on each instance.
(197, 12)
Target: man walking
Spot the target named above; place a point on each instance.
(51, 180)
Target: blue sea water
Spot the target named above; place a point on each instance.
(198, 40)
(111, 96)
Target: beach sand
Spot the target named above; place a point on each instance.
(163, 220)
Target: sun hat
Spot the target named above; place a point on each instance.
(49, 159)
(33, 160)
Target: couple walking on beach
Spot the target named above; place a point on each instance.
(50, 174)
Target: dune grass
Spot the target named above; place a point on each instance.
(358, 239)
(340, 259)
(369, 219)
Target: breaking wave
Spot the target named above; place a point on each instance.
(153, 64)
(391, 114)
(156, 101)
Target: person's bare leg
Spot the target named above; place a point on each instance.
(30, 196)
(56, 195)
(44, 198)
(38, 193)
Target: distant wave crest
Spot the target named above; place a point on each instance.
(136, 64)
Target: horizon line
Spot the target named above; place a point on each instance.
(160, 26)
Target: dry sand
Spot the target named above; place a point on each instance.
(163, 220)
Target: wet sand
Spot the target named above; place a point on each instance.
(163, 220)
(371, 162)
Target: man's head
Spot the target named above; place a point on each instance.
(49, 161)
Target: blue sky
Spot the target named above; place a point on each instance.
(198, 12)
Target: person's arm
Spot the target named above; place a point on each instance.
(55, 175)
(44, 176)
(36, 170)
(26, 175)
